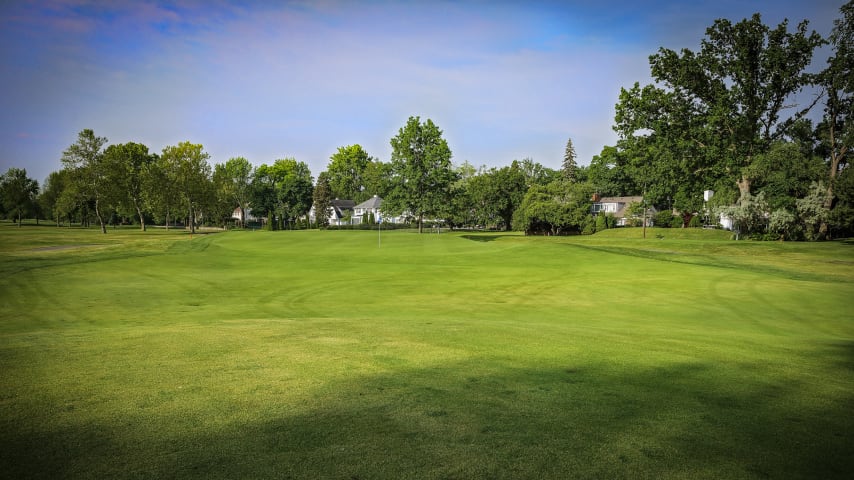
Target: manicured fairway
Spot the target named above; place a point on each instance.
(461, 355)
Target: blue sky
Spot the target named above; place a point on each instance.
(268, 80)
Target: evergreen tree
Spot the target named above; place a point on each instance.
(570, 168)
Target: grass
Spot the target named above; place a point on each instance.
(322, 355)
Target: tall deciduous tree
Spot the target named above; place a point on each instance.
(559, 208)
(54, 187)
(84, 159)
(346, 171)
(837, 80)
(421, 171)
(236, 180)
(127, 166)
(497, 193)
(294, 187)
(322, 199)
(740, 83)
(187, 166)
(162, 195)
(18, 193)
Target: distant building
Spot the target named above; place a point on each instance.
(618, 207)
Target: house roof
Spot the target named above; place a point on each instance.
(626, 200)
(371, 203)
(343, 204)
(622, 203)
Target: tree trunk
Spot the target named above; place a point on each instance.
(192, 221)
(835, 158)
(420, 223)
(141, 218)
(100, 217)
(743, 186)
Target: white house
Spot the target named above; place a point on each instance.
(249, 217)
(362, 211)
(340, 212)
(618, 207)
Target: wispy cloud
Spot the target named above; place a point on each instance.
(268, 79)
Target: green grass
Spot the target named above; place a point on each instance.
(321, 355)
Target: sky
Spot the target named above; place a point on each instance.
(274, 79)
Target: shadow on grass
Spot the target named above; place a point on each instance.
(483, 237)
(461, 421)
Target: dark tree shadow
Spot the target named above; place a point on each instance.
(686, 420)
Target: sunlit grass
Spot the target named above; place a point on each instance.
(329, 355)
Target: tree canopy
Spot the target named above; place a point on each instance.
(421, 171)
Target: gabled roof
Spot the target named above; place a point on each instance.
(372, 203)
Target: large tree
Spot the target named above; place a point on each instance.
(127, 166)
(53, 189)
(497, 193)
(235, 181)
(559, 208)
(714, 112)
(283, 191)
(322, 200)
(162, 195)
(570, 167)
(85, 161)
(18, 193)
(294, 187)
(837, 80)
(741, 82)
(346, 171)
(187, 166)
(421, 171)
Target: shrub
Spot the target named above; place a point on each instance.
(695, 222)
(663, 219)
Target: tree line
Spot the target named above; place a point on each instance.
(725, 118)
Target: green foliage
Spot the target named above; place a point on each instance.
(695, 222)
(234, 181)
(18, 193)
(186, 166)
(496, 194)
(569, 168)
(346, 171)
(811, 211)
(421, 172)
(559, 208)
(842, 216)
(127, 166)
(89, 173)
(322, 200)
(784, 173)
(608, 174)
(601, 223)
(749, 215)
(677, 221)
(284, 190)
(664, 219)
(783, 225)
